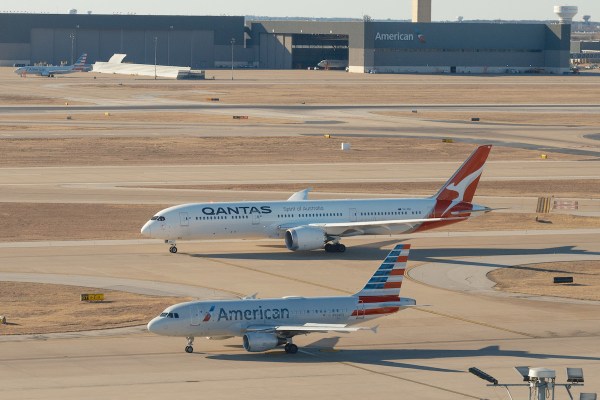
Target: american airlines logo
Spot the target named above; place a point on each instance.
(208, 314)
(398, 36)
(254, 314)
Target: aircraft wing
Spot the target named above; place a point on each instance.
(291, 330)
(370, 227)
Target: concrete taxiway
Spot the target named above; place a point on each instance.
(419, 353)
(422, 353)
(124, 184)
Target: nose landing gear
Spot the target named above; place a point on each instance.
(189, 348)
(173, 248)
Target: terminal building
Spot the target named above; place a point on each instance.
(402, 47)
(204, 42)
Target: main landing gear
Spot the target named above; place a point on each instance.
(335, 248)
(173, 248)
(189, 348)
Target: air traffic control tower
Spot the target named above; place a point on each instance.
(421, 11)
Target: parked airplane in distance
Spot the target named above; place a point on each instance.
(265, 324)
(51, 70)
(332, 64)
(315, 224)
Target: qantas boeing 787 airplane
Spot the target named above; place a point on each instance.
(315, 224)
(268, 323)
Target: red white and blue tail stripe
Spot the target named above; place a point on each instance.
(381, 295)
(80, 63)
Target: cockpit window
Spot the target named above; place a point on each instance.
(157, 218)
(164, 314)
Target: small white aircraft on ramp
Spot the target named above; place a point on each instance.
(51, 70)
(265, 324)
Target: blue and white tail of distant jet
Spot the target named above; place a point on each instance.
(51, 70)
(265, 324)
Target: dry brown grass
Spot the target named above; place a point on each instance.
(537, 279)
(523, 118)
(226, 150)
(576, 188)
(57, 221)
(400, 92)
(310, 87)
(295, 87)
(19, 99)
(32, 308)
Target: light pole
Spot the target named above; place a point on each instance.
(232, 43)
(72, 36)
(155, 43)
(169, 45)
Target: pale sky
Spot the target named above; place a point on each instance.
(443, 10)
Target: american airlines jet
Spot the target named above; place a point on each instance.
(315, 224)
(51, 70)
(265, 324)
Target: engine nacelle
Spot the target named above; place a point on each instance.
(259, 341)
(305, 238)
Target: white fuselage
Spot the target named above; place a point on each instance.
(234, 317)
(45, 70)
(251, 220)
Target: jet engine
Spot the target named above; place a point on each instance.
(305, 238)
(259, 341)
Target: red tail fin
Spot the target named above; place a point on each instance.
(461, 186)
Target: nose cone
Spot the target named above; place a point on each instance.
(147, 229)
(156, 325)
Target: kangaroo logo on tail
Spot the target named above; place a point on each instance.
(461, 186)
(454, 199)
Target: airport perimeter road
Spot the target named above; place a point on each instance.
(124, 184)
(418, 353)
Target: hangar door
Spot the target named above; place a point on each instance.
(308, 50)
(275, 51)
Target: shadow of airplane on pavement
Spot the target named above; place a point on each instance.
(396, 358)
(377, 251)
